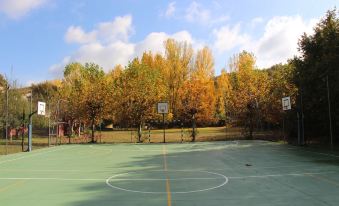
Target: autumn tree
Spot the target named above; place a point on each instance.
(68, 103)
(95, 94)
(281, 85)
(138, 89)
(112, 102)
(198, 94)
(250, 89)
(84, 94)
(178, 57)
(223, 96)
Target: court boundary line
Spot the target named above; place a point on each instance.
(324, 179)
(157, 170)
(36, 154)
(104, 179)
(12, 185)
(140, 148)
(305, 174)
(52, 178)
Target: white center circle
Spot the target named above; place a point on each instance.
(215, 176)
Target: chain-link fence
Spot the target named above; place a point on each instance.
(17, 139)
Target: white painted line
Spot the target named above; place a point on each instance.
(223, 177)
(164, 179)
(305, 150)
(51, 170)
(325, 154)
(96, 179)
(48, 178)
(140, 148)
(280, 175)
(26, 155)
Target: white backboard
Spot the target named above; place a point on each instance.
(286, 103)
(162, 107)
(41, 108)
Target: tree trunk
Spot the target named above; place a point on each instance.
(139, 132)
(193, 129)
(22, 137)
(10, 134)
(251, 130)
(251, 127)
(92, 130)
(79, 129)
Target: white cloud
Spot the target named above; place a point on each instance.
(75, 34)
(105, 55)
(108, 44)
(256, 21)
(196, 13)
(57, 69)
(105, 32)
(170, 9)
(218, 20)
(228, 38)
(30, 82)
(16, 9)
(280, 39)
(277, 44)
(154, 42)
(118, 30)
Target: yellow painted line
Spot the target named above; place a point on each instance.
(168, 187)
(168, 190)
(165, 160)
(332, 182)
(15, 184)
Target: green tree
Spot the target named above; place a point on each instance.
(317, 64)
(281, 85)
(3, 84)
(45, 92)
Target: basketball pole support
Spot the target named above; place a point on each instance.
(30, 127)
(163, 124)
(329, 112)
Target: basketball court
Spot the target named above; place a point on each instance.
(208, 173)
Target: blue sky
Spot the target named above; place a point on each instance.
(38, 37)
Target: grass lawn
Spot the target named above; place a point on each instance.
(172, 135)
(130, 136)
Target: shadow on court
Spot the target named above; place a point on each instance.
(258, 173)
(199, 174)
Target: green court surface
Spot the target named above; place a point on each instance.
(204, 173)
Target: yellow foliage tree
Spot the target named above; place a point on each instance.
(198, 93)
(178, 57)
(138, 90)
(223, 96)
(250, 89)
